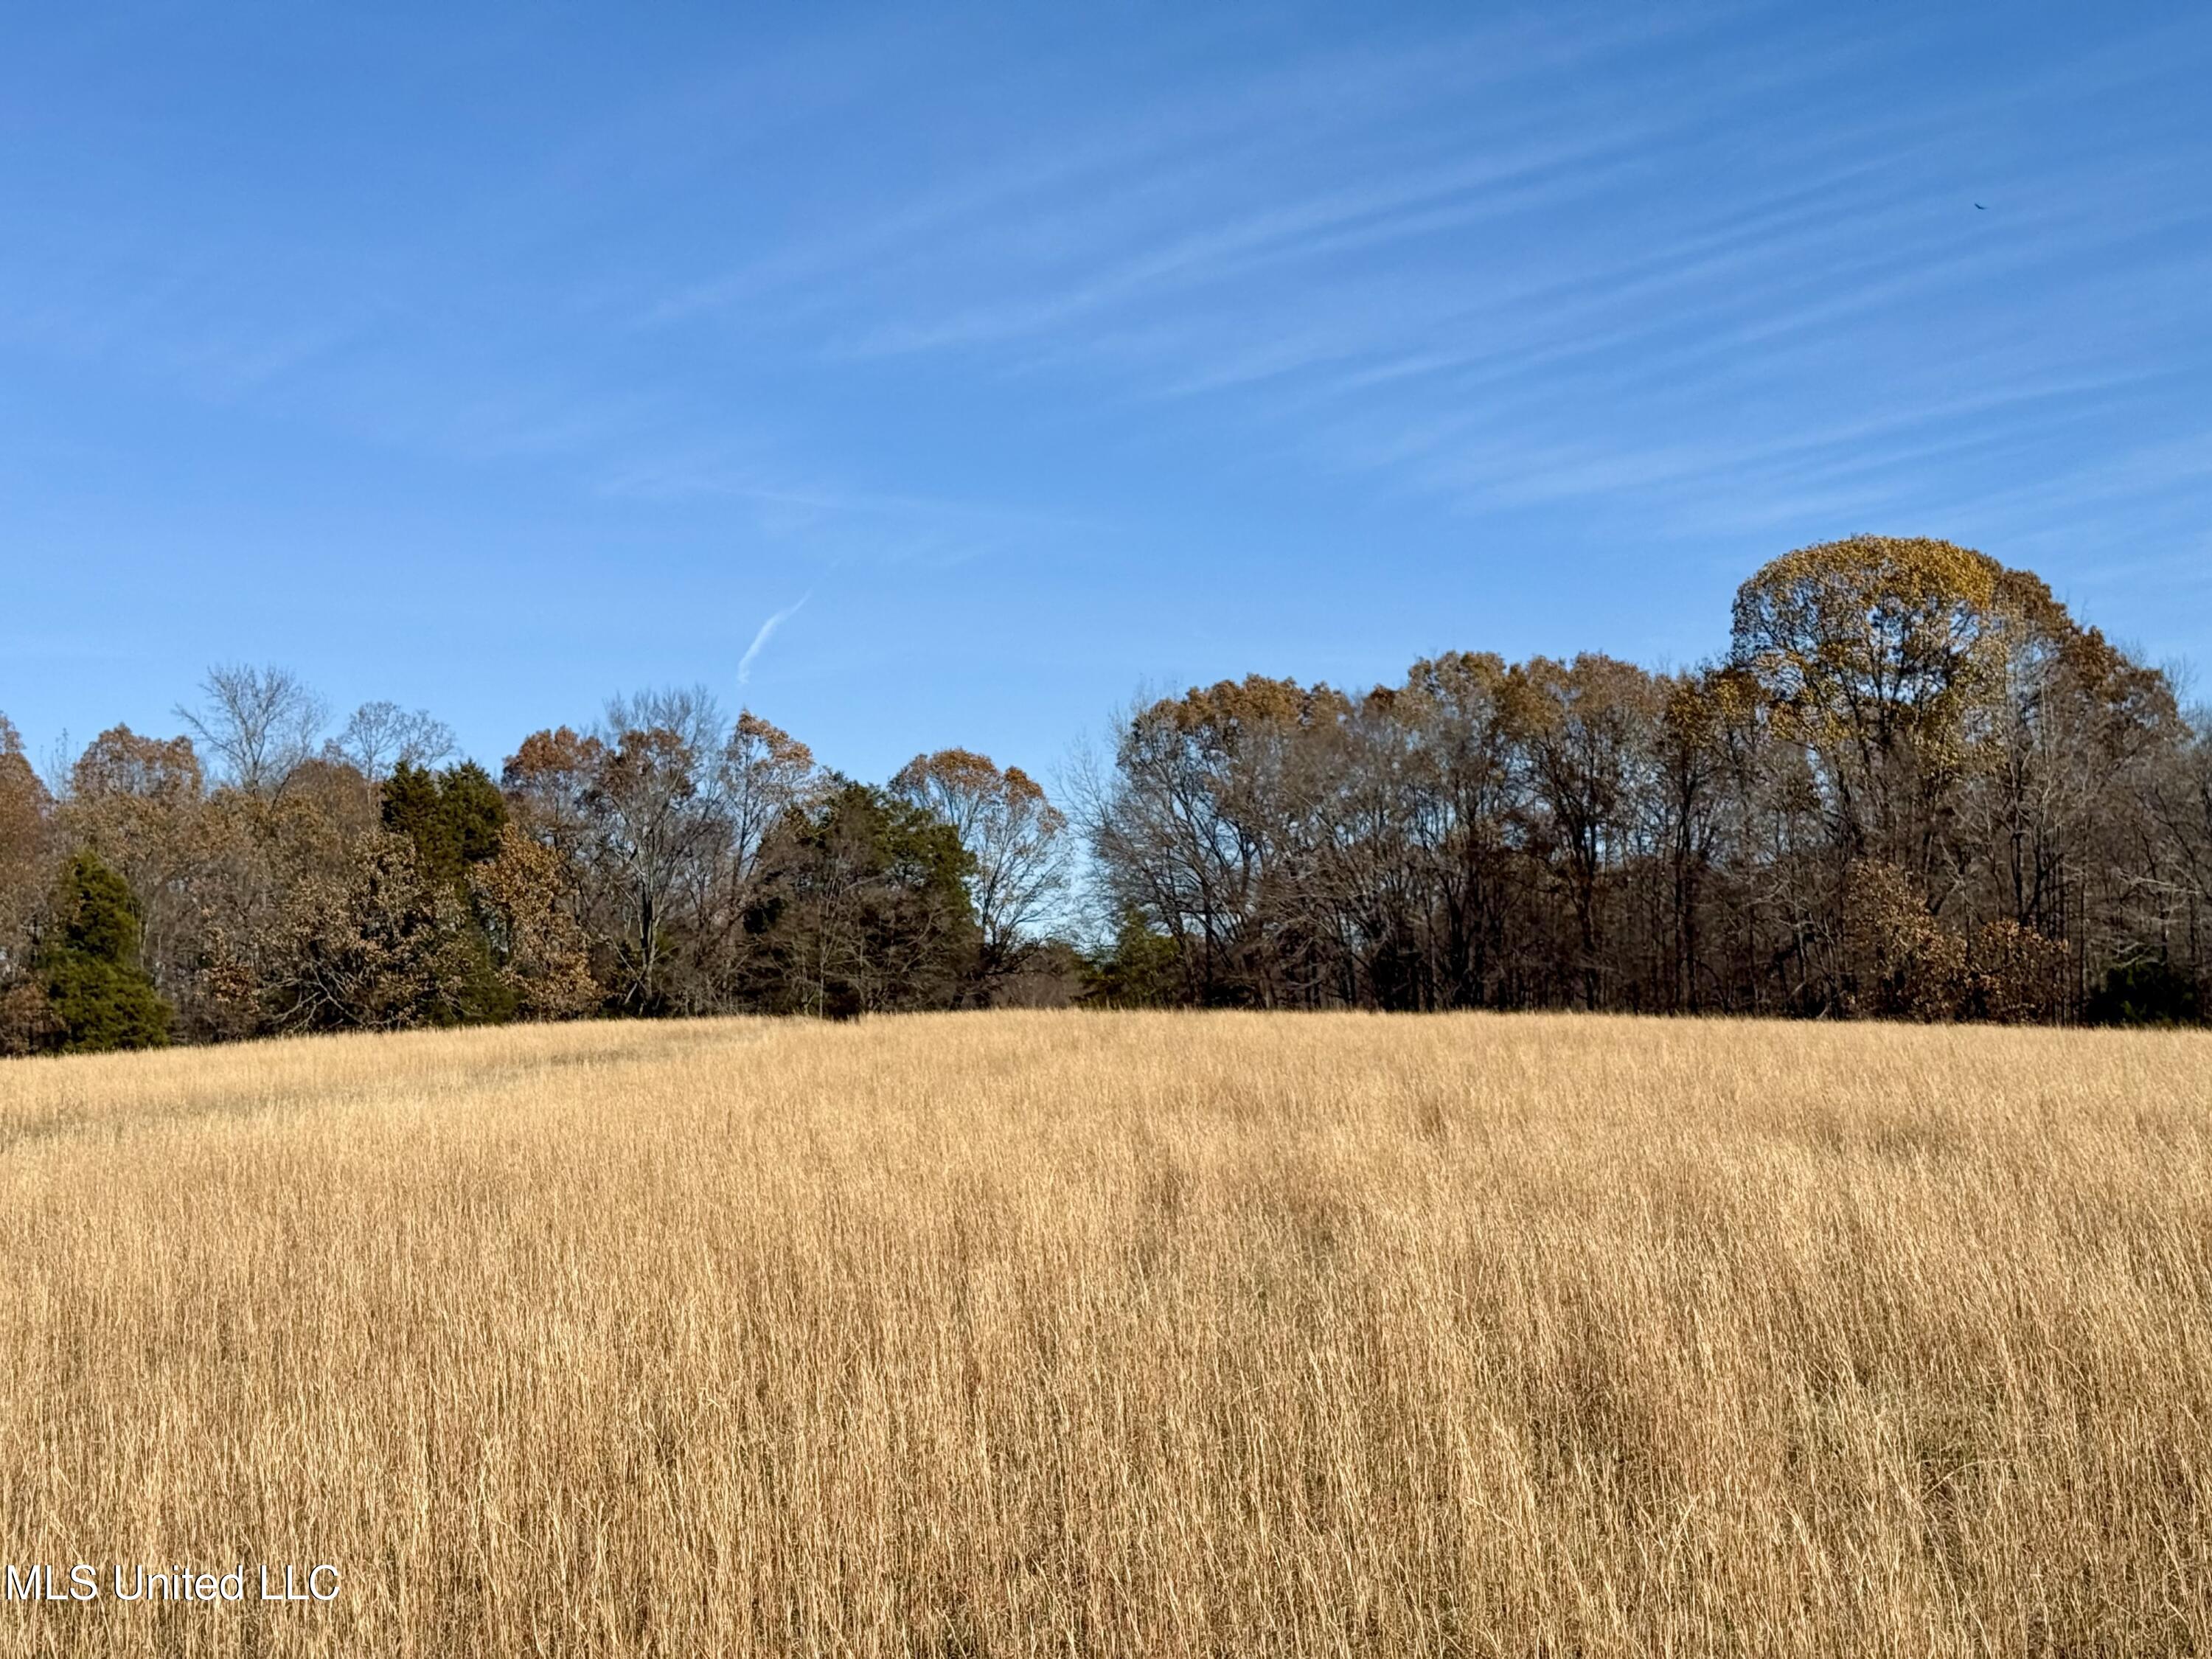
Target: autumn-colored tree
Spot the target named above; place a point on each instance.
(1196, 831)
(741, 784)
(645, 802)
(763, 773)
(1903, 963)
(27, 1022)
(542, 955)
(1874, 652)
(549, 780)
(140, 803)
(1587, 731)
(25, 812)
(1904, 680)
(121, 765)
(1685, 808)
(2176, 789)
(659, 823)
(2015, 976)
(1465, 781)
(1347, 894)
(373, 944)
(1012, 836)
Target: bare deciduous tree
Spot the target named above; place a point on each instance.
(381, 736)
(259, 722)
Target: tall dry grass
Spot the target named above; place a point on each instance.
(1122, 1335)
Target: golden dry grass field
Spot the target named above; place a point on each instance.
(1119, 1333)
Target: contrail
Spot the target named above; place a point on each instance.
(745, 662)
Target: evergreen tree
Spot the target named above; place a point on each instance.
(453, 817)
(101, 996)
(2149, 992)
(864, 909)
(1143, 969)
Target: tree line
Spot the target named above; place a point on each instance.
(1913, 787)
(250, 876)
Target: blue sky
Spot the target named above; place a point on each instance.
(495, 360)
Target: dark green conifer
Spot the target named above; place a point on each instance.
(100, 994)
(453, 817)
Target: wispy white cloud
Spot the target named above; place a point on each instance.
(1480, 269)
(767, 632)
(1714, 274)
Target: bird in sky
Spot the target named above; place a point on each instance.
(1979, 207)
